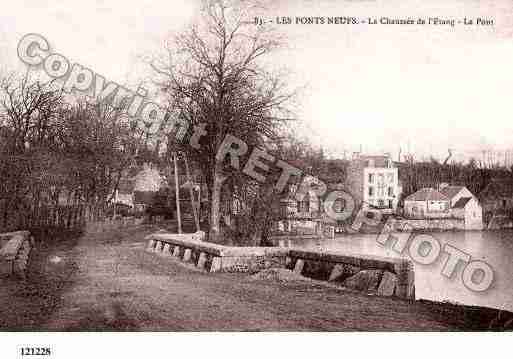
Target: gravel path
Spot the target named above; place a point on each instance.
(108, 282)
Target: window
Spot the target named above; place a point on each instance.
(371, 191)
(390, 177)
(303, 206)
(381, 203)
(371, 178)
(390, 203)
(338, 205)
(390, 191)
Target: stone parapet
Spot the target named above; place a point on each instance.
(389, 276)
(14, 252)
(214, 257)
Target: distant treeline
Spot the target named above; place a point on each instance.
(416, 175)
(413, 175)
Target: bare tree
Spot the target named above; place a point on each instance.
(100, 144)
(52, 150)
(28, 126)
(215, 75)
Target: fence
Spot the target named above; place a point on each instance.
(68, 217)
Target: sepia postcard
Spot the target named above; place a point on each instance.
(174, 173)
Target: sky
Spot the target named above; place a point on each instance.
(381, 88)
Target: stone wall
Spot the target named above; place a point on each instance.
(385, 276)
(14, 252)
(380, 275)
(214, 257)
(439, 224)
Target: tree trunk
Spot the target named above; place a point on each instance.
(215, 204)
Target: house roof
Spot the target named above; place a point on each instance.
(498, 188)
(427, 194)
(380, 161)
(462, 202)
(451, 191)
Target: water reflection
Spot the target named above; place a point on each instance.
(496, 248)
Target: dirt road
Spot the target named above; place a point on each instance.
(108, 282)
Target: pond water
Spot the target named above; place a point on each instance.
(493, 247)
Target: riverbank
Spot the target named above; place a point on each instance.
(106, 281)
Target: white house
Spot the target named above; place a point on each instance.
(374, 182)
(464, 205)
(448, 202)
(427, 203)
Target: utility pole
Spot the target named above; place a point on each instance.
(177, 197)
(191, 193)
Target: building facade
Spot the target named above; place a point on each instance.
(469, 209)
(373, 181)
(449, 202)
(427, 203)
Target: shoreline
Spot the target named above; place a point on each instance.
(479, 315)
(348, 244)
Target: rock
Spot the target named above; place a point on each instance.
(365, 280)
(176, 251)
(187, 255)
(166, 250)
(387, 285)
(341, 272)
(159, 247)
(202, 260)
(298, 268)
(151, 245)
(278, 274)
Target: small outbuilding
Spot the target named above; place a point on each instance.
(464, 205)
(427, 203)
(448, 202)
